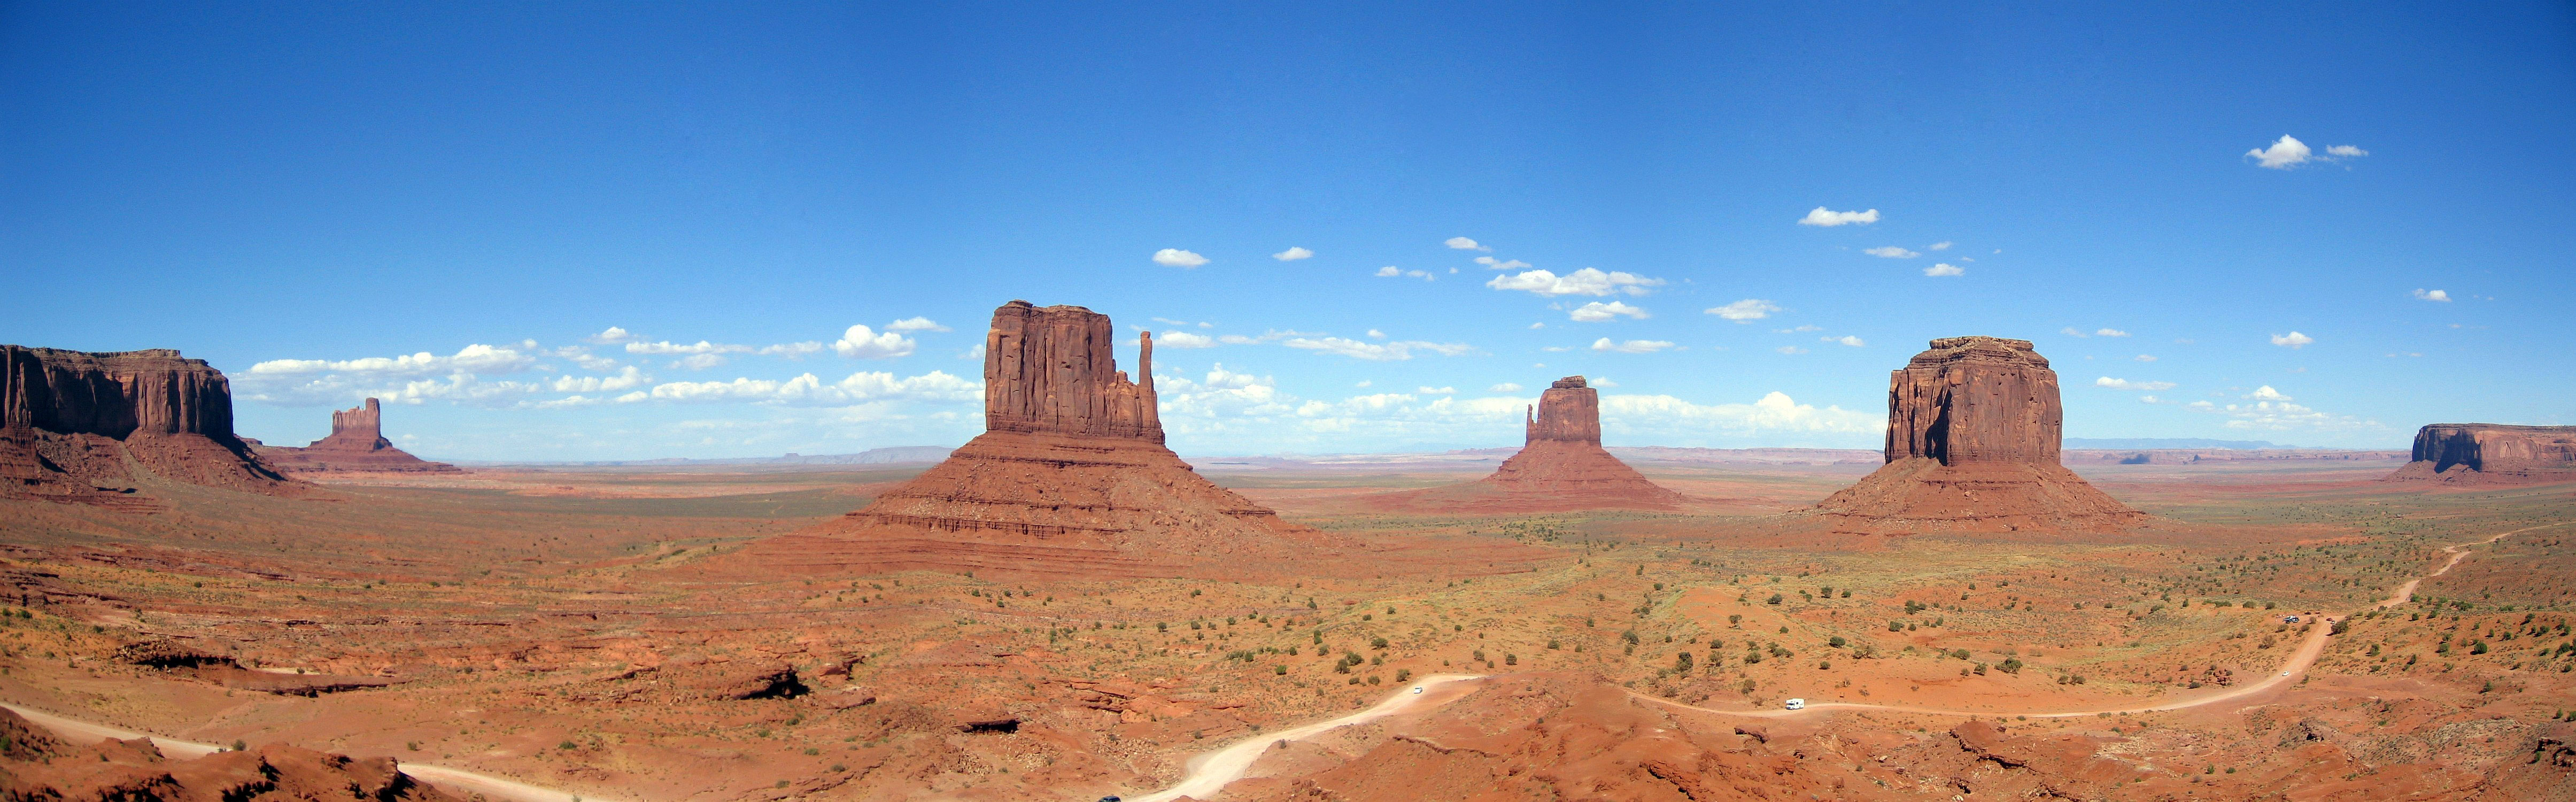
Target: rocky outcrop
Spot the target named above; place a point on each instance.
(1973, 432)
(2489, 453)
(1070, 478)
(87, 427)
(37, 765)
(1561, 467)
(357, 444)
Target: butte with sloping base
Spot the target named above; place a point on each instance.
(357, 444)
(85, 427)
(1973, 431)
(1070, 478)
(1560, 467)
(2491, 454)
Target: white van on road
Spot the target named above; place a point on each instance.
(1797, 704)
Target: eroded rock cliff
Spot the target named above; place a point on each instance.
(356, 444)
(1973, 432)
(1070, 478)
(2491, 453)
(1561, 466)
(87, 427)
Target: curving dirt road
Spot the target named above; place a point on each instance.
(449, 778)
(1211, 771)
(2291, 672)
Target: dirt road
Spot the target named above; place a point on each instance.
(1211, 771)
(449, 778)
(2290, 672)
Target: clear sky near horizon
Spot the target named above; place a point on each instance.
(615, 231)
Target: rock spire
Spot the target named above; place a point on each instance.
(356, 444)
(1561, 466)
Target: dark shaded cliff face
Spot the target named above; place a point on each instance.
(69, 421)
(1975, 399)
(2492, 453)
(1050, 370)
(1569, 411)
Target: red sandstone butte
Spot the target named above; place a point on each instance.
(75, 425)
(2490, 453)
(357, 444)
(1973, 430)
(1560, 467)
(1070, 478)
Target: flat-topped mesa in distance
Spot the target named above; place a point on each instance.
(1560, 467)
(73, 424)
(2491, 453)
(356, 444)
(1973, 431)
(1070, 478)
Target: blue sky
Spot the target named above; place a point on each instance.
(311, 196)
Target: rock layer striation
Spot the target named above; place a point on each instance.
(356, 444)
(1561, 466)
(1973, 432)
(1070, 478)
(2490, 453)
(84, 427)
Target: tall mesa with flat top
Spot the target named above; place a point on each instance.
(83, 427)
(2491, 454)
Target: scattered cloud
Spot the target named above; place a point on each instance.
(1631, 346)
(1376, 352)
(1849, 340)
(2292, 340)
(1944, 269)
(1185, 339)
(2145, 358)
(808, 390)
(916, 324)
(1436, 390)
(612, 336)
(1491, 263)
(1293, 254)
(1540, 325)
(861, 343)
(1745, 311)
(1598, 381)
(976, 353)
(1464, 244)
(1375, 334)
(699, 361)
(1390, 271)
(2345, 151)
(1587, 281)
(1175, 257)
(1890, 252)
(2266, 393)
(1800, 329)
(2432, 295)
(1505, 387)
(2125, 384)
(1821, 216)
(1938, 246)
(1597, 311)
(470, 359)
(1666, 415)
(1790, 349)
(2109, 332)
(2285, 153)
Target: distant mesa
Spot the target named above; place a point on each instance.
(1973, 428)
(91, 428)
(1070, 478)
(357, 445)
(2491, 454)
(1560, 467)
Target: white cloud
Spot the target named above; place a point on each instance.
(1849, 340)
(2072, 331)
(861, 343)
(1375, 334)
(1597, 311)
(628, 379)
(1799, 329)
(1464, 244)
(1631, 346)
(915, 324)
(1587, 281)
(2145, 358)
(2346, 151)
(470, 359)
(1293, 254)
(2125, 384)
(667, 347)
(2149, 399)
(699, 361)
(1376, 352)
(1491, 263)
(1390, 271)
(1745, 311)
(976, 352)
(2285, 153)
(2432, 295)
(1436, 390)
(1175, 257)
(1185, 339)
(1944, 269)
(1602, 382)
(1505, 387)
(1820, 216)
(1790, 349)
(1365, 383)
(612, 336)
(2266, 393)
(1664, 414)
(398, 380)
(2292, 339)
(807, 390)
(2109, 332)
(1890, 252)
(1540, 325)
(1938, 246)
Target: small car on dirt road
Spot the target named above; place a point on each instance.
(1797, 704)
